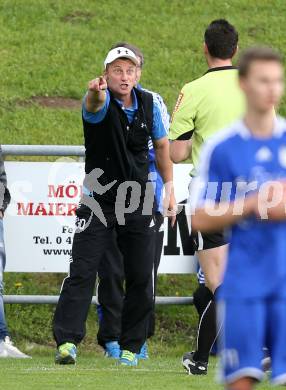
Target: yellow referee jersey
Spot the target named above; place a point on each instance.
(205, 106)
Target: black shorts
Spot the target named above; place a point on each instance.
(202, 241)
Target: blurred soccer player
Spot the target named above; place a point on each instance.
(205, 106)
(250, 199)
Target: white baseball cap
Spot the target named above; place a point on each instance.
(120, 52)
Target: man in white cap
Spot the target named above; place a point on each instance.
(118, 120)
(110, 291)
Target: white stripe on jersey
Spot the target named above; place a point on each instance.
(157, 99)
(200, 241)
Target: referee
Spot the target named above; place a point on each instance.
(205, 106)
(118, 121)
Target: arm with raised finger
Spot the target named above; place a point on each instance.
(96, 95)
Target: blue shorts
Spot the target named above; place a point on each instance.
(248, 326)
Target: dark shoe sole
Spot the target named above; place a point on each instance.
(66, 360)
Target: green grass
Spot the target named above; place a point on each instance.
(93, 371)
(53, 47)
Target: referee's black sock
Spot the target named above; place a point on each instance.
(201, 298)
(207, 331)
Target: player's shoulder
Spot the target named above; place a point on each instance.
(190, 86)
(155, 95)
(237, 132)
(157, 98)
(159, 107)
(193, 84)
(280, 126)
(142, 91)
(225, 140)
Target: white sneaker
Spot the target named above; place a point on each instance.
(8, 350)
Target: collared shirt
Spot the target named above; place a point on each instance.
(205, 106)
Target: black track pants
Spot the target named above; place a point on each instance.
(111, 290)
(136, 243)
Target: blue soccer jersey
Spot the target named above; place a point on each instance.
(232, 162)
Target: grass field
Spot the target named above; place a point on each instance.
(53, 47)
(49, 50)
(96, 372)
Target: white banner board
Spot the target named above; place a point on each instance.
(39, 222)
